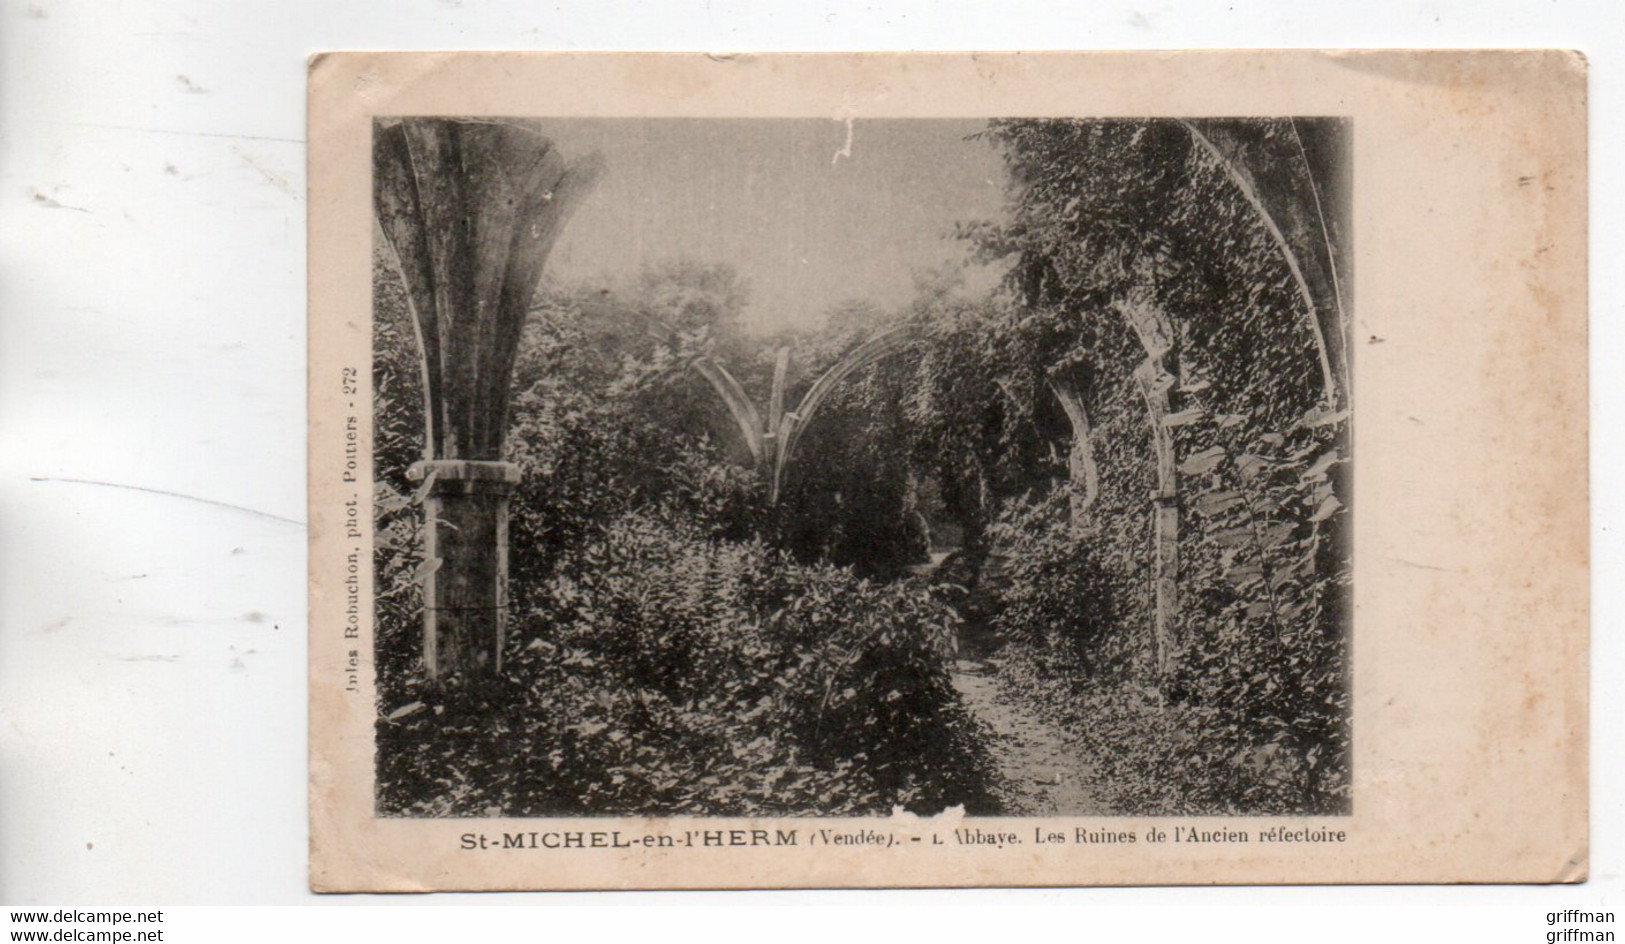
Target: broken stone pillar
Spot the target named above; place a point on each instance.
(465, 554)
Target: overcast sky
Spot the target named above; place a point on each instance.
(805, 229)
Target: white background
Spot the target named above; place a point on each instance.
(152, 656)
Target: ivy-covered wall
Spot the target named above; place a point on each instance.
(1252, 712)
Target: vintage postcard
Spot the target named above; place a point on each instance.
(735, 471)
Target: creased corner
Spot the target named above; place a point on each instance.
(1576, 870)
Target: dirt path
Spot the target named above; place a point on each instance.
(1045, 772)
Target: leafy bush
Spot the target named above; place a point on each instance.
(1254, 741)
(1051, 591)
(673, 674)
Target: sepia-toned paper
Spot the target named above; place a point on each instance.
(1468, 361)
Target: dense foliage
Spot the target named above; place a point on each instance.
(675, 673)
(682, 645)
(665, 658)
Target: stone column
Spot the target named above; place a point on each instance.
(471, 207)
(1157, 380)
(465, 544)
(1165, 544)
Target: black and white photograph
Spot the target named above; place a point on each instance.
(823, 467)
